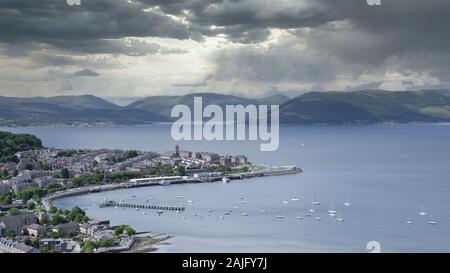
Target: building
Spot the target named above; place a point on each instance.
(59, 245)
(34, 230)
(3, 188)
(64, 229)
(16, 222)
(17, 187)
(44, 181)
(8, 246)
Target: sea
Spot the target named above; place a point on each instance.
(386, 172)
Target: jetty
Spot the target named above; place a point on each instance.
(111, 203)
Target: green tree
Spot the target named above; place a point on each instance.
(53, 209)
(31, 205)
(10, 234)
(65, 173)
(14, 211)
(88, 247)
(45, 220)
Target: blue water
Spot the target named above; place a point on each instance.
(386, 170)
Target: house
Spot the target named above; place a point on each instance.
(18, 186)
(64, 229)
(53, 244)
(34, 230)
(8, 246)
(3, 188)
(16, 222)
(44, 181)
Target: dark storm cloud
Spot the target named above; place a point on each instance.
(56, 23)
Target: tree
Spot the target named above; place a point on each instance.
(53, 209)
(6, 198)
(10, 234)
(75, 212)
(31, 205)
(14, 211)
(45, 220)
(65, 173)
(88, 247)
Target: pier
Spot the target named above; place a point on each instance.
(111, 203)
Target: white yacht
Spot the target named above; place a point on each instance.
(409, 222)
(422, 211)
(244, 214)
(432, 222)
(340, 219)
(295, 199)
(347, 202)
(180, 196)
(279, 216)
(318, 218)
(331, 210)
(264, 211)
(285, 202)
(189, 201)
(314, 202)
(299, 218)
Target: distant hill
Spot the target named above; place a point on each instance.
(367, 106)
(13, 143)
(162, 105)
(370, 106)
(68, 109)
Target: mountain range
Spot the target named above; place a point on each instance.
(366, 106)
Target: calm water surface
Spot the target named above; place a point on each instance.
(387, 171)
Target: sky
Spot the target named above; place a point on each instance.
(137, 48)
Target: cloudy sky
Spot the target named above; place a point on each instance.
(122, 48)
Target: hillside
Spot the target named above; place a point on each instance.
(68, 109)
(163, 104)
(13, 143)
(371, 106)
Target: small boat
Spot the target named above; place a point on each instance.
(243, 202)
(347, 202)
(333, 214)
(318, 218)
(241, 198)
(279, 216)
(285, 202)
(184, 217)
(312, 210)
(295, 199)
(180, 196)
(244, 214)
(221, 217)
(331, 210)
(137, 209)
(227, 213)
(133, 196)
(264, 211)
(340, 219)
(314, 202)
(160, 212)
(194, 214)
(189, 201)
(299, 218)
(422, 212)
(432, 222)
(235, 207)
(144, 213)
(226, 180)
(409, 222)
(308, 215)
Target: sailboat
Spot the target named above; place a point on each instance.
(422, 212)
(280, 216)
(314, 201)
(331, 210)
(347, 202)
(432, 222)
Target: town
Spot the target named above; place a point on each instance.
(32, 179)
